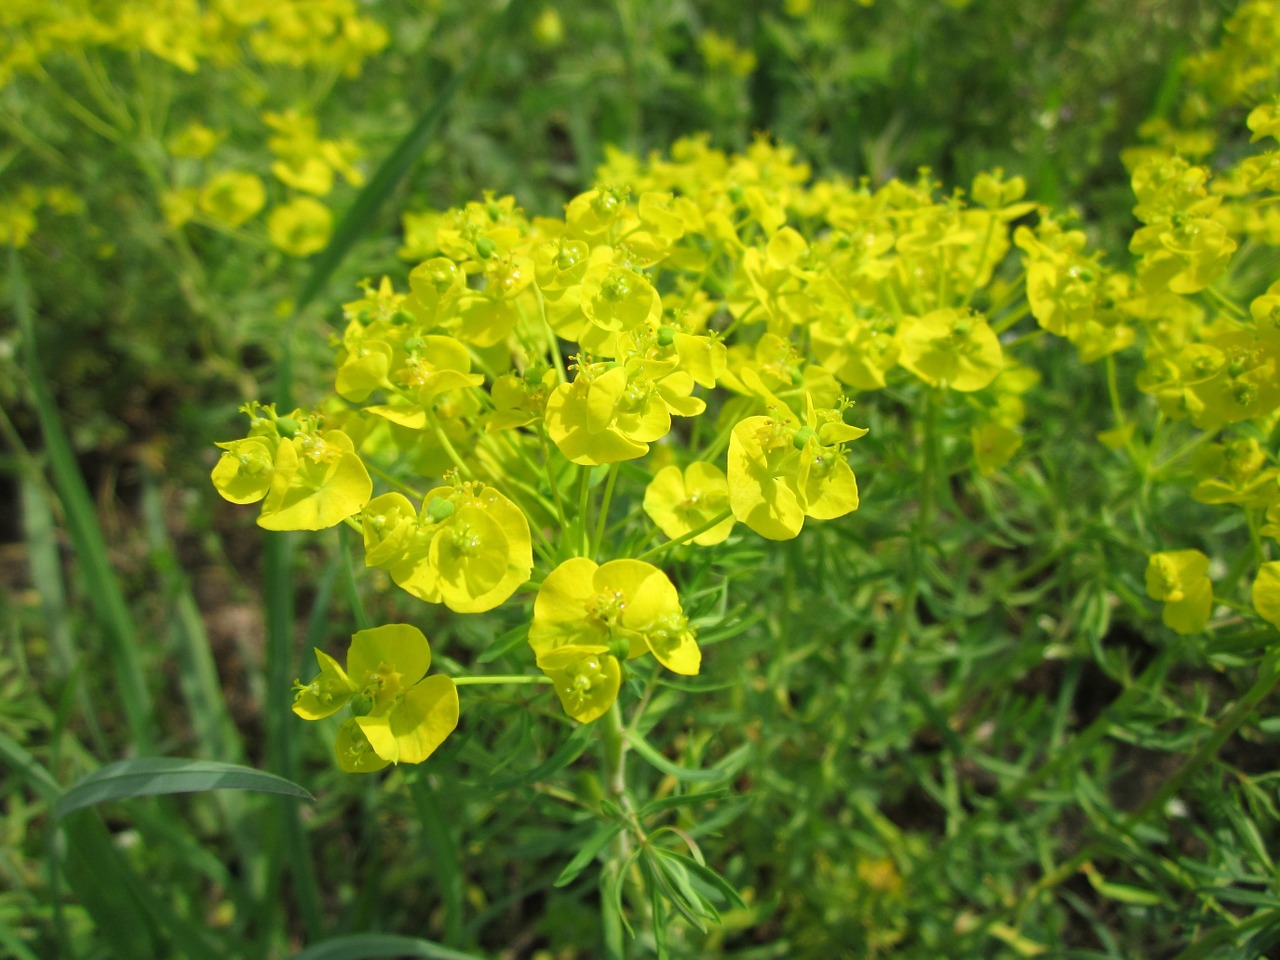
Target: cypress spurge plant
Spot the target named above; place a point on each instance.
(556, 407)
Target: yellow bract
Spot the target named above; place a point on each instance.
(399, 717)
(300, 227)
(1265, 592)
(1179, 579)
(319, 481)
(680, 502)
(950, 348)
(468, 548)
(588, 616)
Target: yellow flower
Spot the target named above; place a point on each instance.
(468, 548)
(1266, 592)
(195, 140)
(399, 716)
(587, 617)
(780, 472)
(319, 481)
(300, 227)
(612, 412)
(950, 348)
(232, 197)
(682, 501)
(1179, 579)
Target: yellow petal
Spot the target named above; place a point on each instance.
(412, 730)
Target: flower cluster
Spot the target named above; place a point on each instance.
(706, 321)
(1202, 304)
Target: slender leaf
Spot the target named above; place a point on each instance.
(642, 747)
(105, 593)
(444, 854)
(393, 169)
(588, 852)
(46, 572)
(148, 776)
(36, 776)
(216, 733)
(372, 946)
(678, 800)
(10, 941)
(707, 876)
(572, 748)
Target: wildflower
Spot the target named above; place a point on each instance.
(950, 348)
(680, 502)
(1179, 579)
(300, 227)
(588, 617)
(399, 717)
(1266, 592)
(232, 197)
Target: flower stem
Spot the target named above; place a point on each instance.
(614, 762)
(499, 678)
(693, 534)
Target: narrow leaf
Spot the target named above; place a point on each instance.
(588, 852)
(373, 946)
(643, 748)
(707, 876)
(148, 776)
(105, 592)
(678, 800)
(572, 748)
(388, 176)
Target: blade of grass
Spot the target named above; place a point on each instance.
(374, 946)
(40, 531)
(151, 776)
(11, 942)
(128, 917)
(101, 583)
(216, 734)
(444, 855)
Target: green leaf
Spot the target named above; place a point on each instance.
(707, 876)
(681, 800)
(105, 592)
(643, 748)
(1120, 892)
(148, 776)
(368, 946)
(588, 852)
(569, 751)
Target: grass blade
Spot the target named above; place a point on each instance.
(374, 946)
(393, 169)
(216, 734)
(105, 593)
(149, 776)
(39, 529)
(444, 855)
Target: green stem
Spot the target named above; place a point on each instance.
(553, 339)
(499, 678)
(614, 745)
(1117, 411)
(551, 478)
(451, 452)
(584, 507)
(685, 538)
(603, 518)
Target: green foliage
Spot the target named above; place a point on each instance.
(1021, 703)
